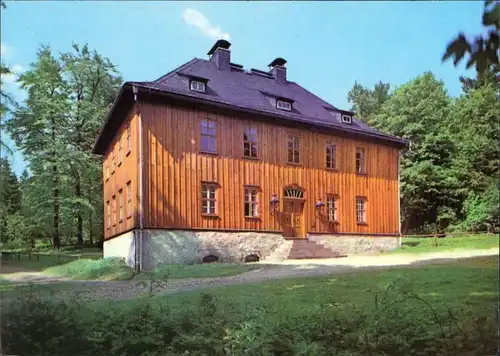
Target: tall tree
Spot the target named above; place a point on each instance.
(10, 197)
(6, 102)
(418, 111)
(10, 193)
(92, 82)
(475, 125)
(68, 99)
(39, 126)
(368, 102)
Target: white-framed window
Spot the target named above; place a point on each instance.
(250, 142)
(113, 212)
(208, 199)
(108, 214)
(120, 205)
(284, 105)
(251, 202)
(361, 210)
(331, 207)
(294, 193)
(129, 199)
(331, 155)
(120, 151)
(346, 119)
(293, 149)
(129, 139)
(208, 136)
(113, 163)
(196, 85)
(360, 160)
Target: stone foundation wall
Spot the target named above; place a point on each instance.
(189, 247)
(121, 246)
(349, 245)
(186, 247)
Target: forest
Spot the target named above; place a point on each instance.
(449, 174)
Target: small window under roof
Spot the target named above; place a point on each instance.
(197, 85)
(347, 119)
(284, 105)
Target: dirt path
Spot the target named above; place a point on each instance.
(96, 290)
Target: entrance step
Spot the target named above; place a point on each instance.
(304, 248)
(281, 253)
(301, 248)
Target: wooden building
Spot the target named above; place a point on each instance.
(215, 160)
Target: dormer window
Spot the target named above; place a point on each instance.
(196, 85)
(284, 105)
(346, 119)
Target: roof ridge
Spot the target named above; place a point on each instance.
(181, 67)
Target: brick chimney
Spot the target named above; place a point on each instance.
(221, 55)
(278, 70)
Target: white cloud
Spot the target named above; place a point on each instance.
(196, 18)
(6, 51)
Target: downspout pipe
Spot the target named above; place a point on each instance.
(399, 198)
(139, 242)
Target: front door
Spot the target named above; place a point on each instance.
(293, 225)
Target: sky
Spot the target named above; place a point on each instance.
(328, 45)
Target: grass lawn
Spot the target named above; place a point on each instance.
(73, 262)
(442, 309)
(343, 312)
(430, 244)
(468, 282)
(39, 261)
(197, 271)
(87, 269)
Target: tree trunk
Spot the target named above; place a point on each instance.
(56, 241)
(91, 235)
(79, 218)
(89, 198)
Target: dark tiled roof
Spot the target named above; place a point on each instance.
(250, 90)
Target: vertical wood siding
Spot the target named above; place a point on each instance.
(126, 172)
(174, 169)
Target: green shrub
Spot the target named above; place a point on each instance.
(35, 326)
(430, 244)
(398, 323)
(113, 268)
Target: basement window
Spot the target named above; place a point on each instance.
(196, 85)
(284, 105)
